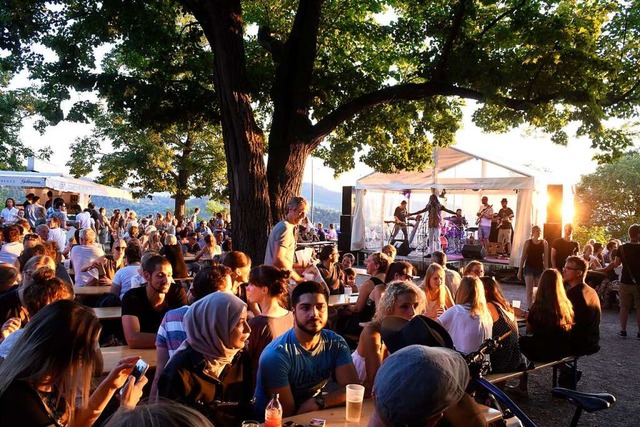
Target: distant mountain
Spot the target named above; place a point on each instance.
(323, 197)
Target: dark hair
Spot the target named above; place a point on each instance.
(164, 413)
(326, 252)
(236, 259)
(7, 200)
(308, 287)
(597, 246)
(153, 262)
(133, 252)
(9, 275)
(38, 249)
(398, 267)
(45, 288)
(580, 263)
(270, 277)
(58, 203)
(210, 279)
(493, 293)
(348, 272)
(11, 233)
(634, 231)
(439, 257)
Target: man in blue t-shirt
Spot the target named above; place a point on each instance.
(299, 363)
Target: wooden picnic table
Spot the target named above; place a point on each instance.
(111, 356)
(337, 416)
(108, 313)
(91, 290)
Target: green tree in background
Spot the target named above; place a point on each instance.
(290, 76)
(609, 196)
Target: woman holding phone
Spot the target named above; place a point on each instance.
(46, 378)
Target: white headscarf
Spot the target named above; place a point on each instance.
(208, 324)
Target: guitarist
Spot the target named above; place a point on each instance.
(400, 216)
(485, 214)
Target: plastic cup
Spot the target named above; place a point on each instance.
(515, 303)
(355, 396)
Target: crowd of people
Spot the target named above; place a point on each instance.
(229, 335)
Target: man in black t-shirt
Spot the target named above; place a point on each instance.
(563, 248)
(629, 256)
(143, 308)
(505, 229)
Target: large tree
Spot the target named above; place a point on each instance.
(609, 196)
(289, 76)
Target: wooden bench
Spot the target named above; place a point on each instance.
(572, 361)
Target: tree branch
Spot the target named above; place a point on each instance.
(410, 92)
(270, 43)
(458, 18)
(501, 17)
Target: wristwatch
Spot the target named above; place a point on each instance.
(320, 402)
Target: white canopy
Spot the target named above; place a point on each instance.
(465, 177)
(60, 182)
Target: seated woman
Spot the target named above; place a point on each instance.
(240, 265)
(438, 295)
(377, 265)
(469, 321)
(587, 255)
(399, 270)
(267, 287)
(401, 299)
(46, 378)
(549, 321)
(205, 369)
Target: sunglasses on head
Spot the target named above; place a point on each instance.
(31, 237)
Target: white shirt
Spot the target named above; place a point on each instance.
(467, 333)
(59, 236)
(9, 215)
(82, 255)
(10, 252)
(84, 220)
(123, 278)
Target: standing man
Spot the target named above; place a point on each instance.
(282, 242)
(143, 308)
(299, 363)
(563, 247)
(505, 229)
(585, 334)
(400, 217)
(485, 215)
(629, 256)
(434, 209)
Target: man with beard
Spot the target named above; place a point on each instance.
(143, 308)
(299, 363)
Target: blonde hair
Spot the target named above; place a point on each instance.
(391, 294)
(431, 271)
(471, 292)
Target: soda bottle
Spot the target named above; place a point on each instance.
(273, 413)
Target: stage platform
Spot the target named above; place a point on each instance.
(422, 260)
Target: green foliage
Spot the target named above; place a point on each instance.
(213, 207)
(609, 196)
(583, 233)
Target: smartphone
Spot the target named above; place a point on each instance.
(140, 369)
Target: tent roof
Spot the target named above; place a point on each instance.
(446, 159)
(60, 182)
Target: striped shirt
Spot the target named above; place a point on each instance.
(171, 332)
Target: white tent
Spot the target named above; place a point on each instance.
(465, 177)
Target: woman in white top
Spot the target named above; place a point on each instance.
(401, 299)
(9, 214)
(438, 295)
(210, 249)
(469, 321)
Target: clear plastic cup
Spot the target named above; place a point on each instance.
(355, 397)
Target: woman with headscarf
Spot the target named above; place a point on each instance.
(207, 369)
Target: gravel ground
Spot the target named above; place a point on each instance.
(614, 369)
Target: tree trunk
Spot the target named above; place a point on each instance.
(180, 205)
(243, 140)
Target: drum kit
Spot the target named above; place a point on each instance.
(452, 236)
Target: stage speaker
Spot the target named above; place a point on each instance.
(348, 200)
(402, 248)
(552, 232)
(554, 204)
(346, 222)
(474, 251)
(344, 242)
